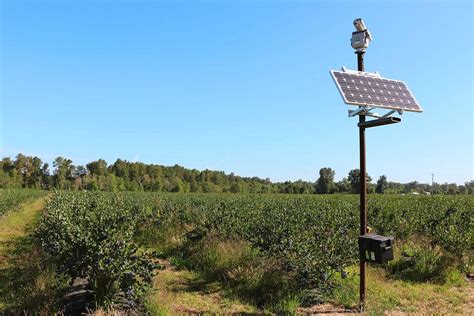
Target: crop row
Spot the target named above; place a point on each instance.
(12, 198)
(317, 235)
(92, 234)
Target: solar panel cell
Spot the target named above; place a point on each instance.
(362, 89)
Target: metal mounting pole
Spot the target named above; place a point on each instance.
(363, 191)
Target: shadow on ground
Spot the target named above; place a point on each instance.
(181, 291)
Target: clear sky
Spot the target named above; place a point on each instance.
(238, 86)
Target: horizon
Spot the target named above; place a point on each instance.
(242, 87)
(110, 163)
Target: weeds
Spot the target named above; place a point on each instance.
(420, 262)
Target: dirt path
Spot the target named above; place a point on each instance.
(20, 268)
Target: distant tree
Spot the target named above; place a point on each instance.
(63, 173)
(354, 179)
(78, 174)
(207, 187)
(236, 187)
(382, 184)
(452, 188)
(121, 184)
(91, 184)
(462, 189)
(29, 171)
(98, 167)
(343, 186)
(7, 165)
(110, 183)
(177, 185)
(36, 176)
(121, 169)
(469, 187)
(325, 183)
(79, 171)
(410, 187)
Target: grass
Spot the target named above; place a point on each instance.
(25, 280)
(386, 294)
(243, 273)
(183, 292)
(16, 224)
(226, 278)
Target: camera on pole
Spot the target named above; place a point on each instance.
(369, 91)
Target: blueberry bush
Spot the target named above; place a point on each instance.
(90, 235)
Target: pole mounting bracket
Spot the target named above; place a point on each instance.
(367, 111)
(388, 114)
(363, 110)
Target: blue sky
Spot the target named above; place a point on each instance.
(238, 86)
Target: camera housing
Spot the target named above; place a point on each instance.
(359, 25)
(361, 38)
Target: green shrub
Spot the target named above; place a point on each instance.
(264, 283)
(310, 236)
(89, 235)
(344, 289)
(216, 258)
(166, 240)
(421, 262)
(245, 270)
(313, 236)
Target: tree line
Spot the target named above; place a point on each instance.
(31, 172)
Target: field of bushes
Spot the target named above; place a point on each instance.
(274, 252)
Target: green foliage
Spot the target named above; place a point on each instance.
(309, 236)
(63, 173)
(89, 235)
(122, 175)
(354, 179)
(325, 183)
(262, 245)
(313, 237)
(98, 168)
(248, 274)
(217, 258)
(382, 184)
(345, 289)
(420, 262)
(441, 221)
(12, 198)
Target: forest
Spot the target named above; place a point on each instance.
(31, 172)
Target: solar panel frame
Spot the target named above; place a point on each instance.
(373, 78)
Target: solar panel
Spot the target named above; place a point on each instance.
(363, 89)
